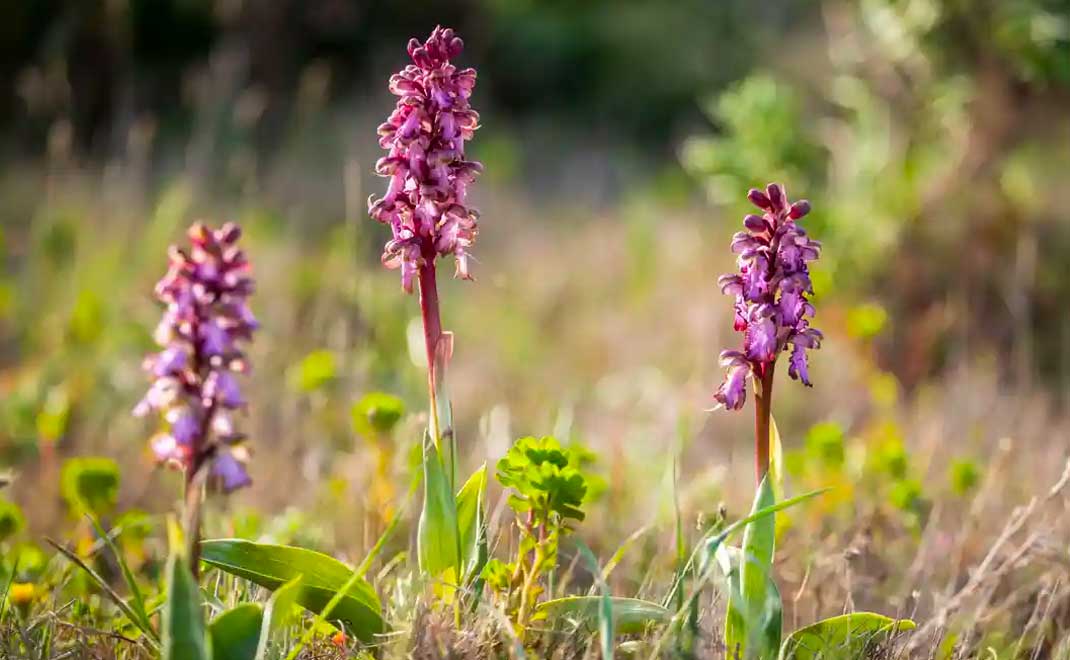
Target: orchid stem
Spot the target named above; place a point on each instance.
(432, 334)
(194, 499)
(762, 414)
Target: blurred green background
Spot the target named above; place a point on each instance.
(619, 139)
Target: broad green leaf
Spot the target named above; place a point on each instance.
(183, 631)
(277, 615)
(752, 626)
(271, 566)
(471, 524)
(630, 615)
(842, 637)
(438, 544)
(729, 559)
(236, 632)
(355, 577)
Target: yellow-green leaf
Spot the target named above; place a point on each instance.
(842, 637)
(630, 615)
(272, 566)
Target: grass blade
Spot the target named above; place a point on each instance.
(278, 610)
(138, 601)
(106, 588)
(605, 607)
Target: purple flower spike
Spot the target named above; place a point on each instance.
(771, 292)
(428, 174)
(206, 291)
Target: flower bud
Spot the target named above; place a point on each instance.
(799, 209)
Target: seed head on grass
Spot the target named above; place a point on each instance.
(425, 202)
(194, 386)
(772, 308)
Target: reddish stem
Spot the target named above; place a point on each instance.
(762, 415)
(431, 318)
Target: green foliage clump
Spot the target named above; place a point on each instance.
(90, 485)
(824, 443)
(964, 475)
(545, 479)
(377, 413)
(548, 490)
(314, 372)
(11, 520)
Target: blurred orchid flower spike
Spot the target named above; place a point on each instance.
(194, 386)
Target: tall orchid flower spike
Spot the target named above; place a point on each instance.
(427, 210)
(195, 389)
(425, 203)
(772, 308)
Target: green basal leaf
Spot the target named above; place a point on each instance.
(183, 634)
(272, 566)
(236, 632)
(471, 524)
(842, 637)
(728, 560)
(752, 627)
(438, 543)
(630, 615)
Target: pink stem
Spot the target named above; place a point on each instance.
(432, 319)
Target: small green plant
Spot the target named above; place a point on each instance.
(964, 475)
(90, 485)
(548, 489)
(11, 520)
(374, 418)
